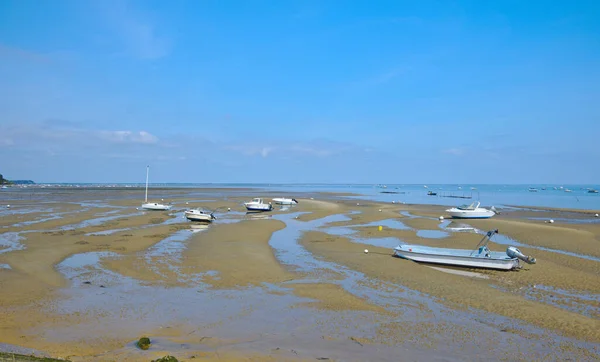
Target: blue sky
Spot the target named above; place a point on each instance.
(300, 91)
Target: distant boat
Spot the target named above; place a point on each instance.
(257, 204)
(152, 206)
(472, 211)
(592, 191)
(567, 190)
(284, 201)
(533, 189)
(199, 215)
(481, 257)
(432, 193)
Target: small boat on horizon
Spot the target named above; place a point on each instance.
(592, 191)
(472, 211)
(481, 257)
(533, 189)
(257, 204)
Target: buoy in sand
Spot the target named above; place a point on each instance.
(379, 210)
(229, 209)
(441, 218)
(366, 251)
(380, 228)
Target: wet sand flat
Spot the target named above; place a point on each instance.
(292, 284)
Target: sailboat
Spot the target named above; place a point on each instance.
(153, 206)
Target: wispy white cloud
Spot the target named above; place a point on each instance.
(128, 137)
(315, 148)
(388, 75)
(53, 133)
(249, 150)
(21, 54)
(457, 151)
(137, 31)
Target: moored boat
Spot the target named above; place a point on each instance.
(472, 211)
(199, 215)
(152, 206)
(257, 204)
(481, 257)
(285, 201)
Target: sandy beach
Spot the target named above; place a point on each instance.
(85, 274)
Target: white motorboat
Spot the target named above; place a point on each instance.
(152, 206)
(472, 211)
(481, 257)
(284, 201)
(257, 204)
(199, 215)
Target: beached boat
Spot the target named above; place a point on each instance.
(481, 257)
(284, 201)
(152, 206)
(472, 211)
(199, 215)
(257, 204)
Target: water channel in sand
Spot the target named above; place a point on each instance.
(267, 317)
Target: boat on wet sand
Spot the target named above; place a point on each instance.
(199, 215)
(152, 206)
(257, 204)
(472, 211)
(284, 201)
(481, 257)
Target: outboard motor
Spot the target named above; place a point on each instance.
(516, 253)
(296, 201)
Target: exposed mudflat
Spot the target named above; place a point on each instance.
(89, 274)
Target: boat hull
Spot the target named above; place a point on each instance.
(505, 263)
(198, 217)
(282, 201)
(464, 214)
(258, 207)
(155, 207)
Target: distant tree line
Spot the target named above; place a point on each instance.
(4, 181)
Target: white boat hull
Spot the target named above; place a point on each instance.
(258, 207)
(468, 214)
(257, 204)
(152, 206)
(284, 201)
(198, 217)
(506, 263)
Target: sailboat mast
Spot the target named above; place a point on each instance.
(147, 171)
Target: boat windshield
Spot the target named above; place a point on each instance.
(256, 200)
(473, 206)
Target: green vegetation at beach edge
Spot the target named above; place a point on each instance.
(15, 357)
(4, 181)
